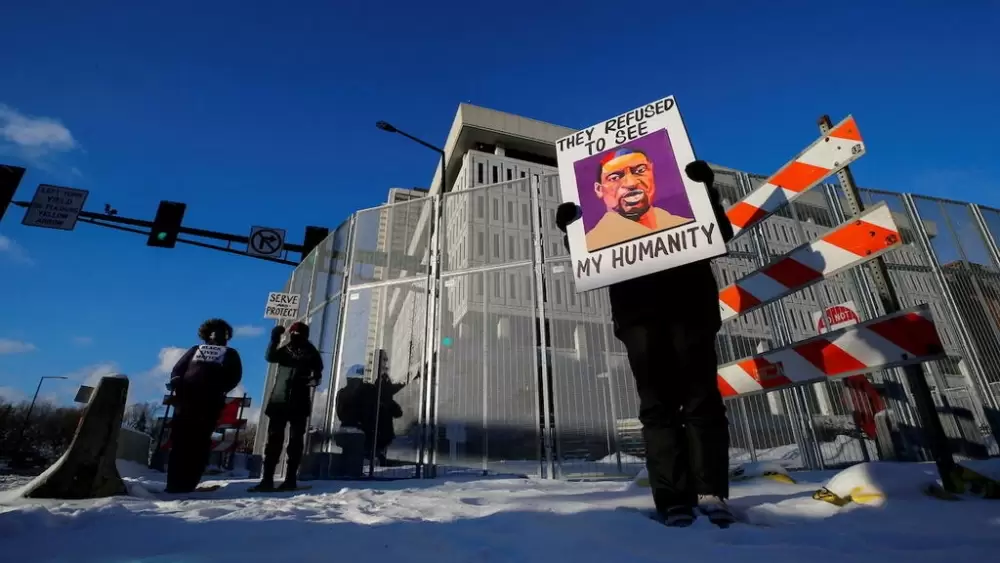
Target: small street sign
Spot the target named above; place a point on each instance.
(265, 241)
(55, 207)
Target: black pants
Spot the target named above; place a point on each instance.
(191, 445)
(683, 418)
(276, 437)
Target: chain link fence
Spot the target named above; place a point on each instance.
(458, 312)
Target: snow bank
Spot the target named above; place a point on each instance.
(502, 520)
(872, 483)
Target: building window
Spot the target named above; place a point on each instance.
(496, 175)
(552, 218)
(510, 212)
(510, 174)
(479, 245)
(525, 218)
(558, 293)
(510, 247)
(527, 248)
(479, 206)
(549, 189)
(479, 172)
(479, 285)
(527, 285)
(497, 286)
(496, 245)
(496, 209)
(512, 291)
(572, 298)
(523, 173)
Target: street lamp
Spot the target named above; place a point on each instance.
(389, 128)
(434, 277)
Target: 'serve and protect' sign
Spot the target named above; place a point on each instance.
(282, 306)
(640, 213)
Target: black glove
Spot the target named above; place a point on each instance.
(566, 213)
(276, 332)
(699, 171)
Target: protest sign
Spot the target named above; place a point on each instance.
(640, 213)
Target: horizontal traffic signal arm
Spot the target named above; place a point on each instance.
(144, 227)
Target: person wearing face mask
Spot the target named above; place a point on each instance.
(300, 370)
(199, 381)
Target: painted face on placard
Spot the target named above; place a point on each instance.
(626, 184)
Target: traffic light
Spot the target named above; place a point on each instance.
(166, 224)
(10, 177)
(314, 236)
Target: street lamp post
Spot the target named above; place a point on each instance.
(429, 395)
(31, 407)
(389, 128)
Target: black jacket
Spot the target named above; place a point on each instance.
(300, 367)
(687, 294)
(206, 373)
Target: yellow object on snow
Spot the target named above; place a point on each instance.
(761, 470)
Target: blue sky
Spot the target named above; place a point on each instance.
(253, 113)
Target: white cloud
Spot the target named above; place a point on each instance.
(8, 346)
(169, 357)
(92, 374)
(12, 395)
(14, 252)
(82, 341)
(248, 331)
(38, 135)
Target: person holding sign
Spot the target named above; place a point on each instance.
(667, 321)
(300, 370)
(200, 381)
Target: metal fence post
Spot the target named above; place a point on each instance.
(486, 371)
(539, 275)
(612, 395)
(338, 349)
(430, 349)
(976, 379)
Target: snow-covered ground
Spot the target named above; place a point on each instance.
(495, 520)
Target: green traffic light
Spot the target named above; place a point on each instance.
(161, 236)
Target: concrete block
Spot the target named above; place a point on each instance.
(87, 469)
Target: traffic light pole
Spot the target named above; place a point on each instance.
(135, 225)
(937, 440)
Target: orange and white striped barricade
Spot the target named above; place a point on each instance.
(898, 339)
(825, 157)
(851, 244)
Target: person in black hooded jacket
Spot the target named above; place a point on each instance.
(668, 322)
(200, 381)
(300, 370)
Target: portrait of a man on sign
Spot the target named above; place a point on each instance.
(631, 191)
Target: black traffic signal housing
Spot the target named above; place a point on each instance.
(314, 236)
(10, 178)
(166, 224)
